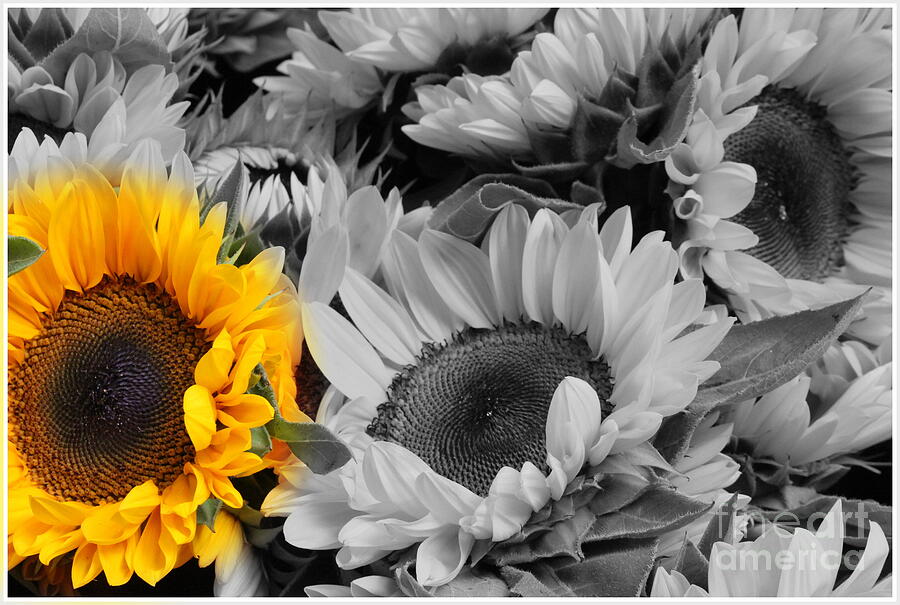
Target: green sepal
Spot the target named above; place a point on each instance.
(615, 568)
(673, 118)
(207, 513)
(21, 253)
(312, 443)
(260, 442)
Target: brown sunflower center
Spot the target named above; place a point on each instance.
(96, 407)
(479, 402)
(804, 176)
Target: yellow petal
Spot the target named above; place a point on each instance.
(104, 525)
(181, 529)
(247, 410)
(107, 202)
(139, 502)
(184, 495)
(115, 564)
(221, 488)
(226, 444)
(201, 490)
(213, 368)
(249, 354)
(63, 544)
(155, 554)
(85, 565)
(32, 535)
(76, 239)
(199, 416)
(214, 294)
(209, 546)
(54, 512)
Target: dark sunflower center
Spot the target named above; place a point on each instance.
(490, 56)
(804, 175)
(18, 121)
(479, 402)
(283, 170)
(96, 407)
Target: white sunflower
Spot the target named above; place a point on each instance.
(371, 42)
(493, 117)
(93, 93)
(842, 406)
(816, 129)
(705, 473)
(367, 586)
(420, 39)
(781, 564)
(481, 381)
(319, 79)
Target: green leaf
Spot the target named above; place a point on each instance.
(21, 253)
(610, 569)
(659, 509)
(49, 31)
(312, 443)
(207, 513)
(229, 192)
(260, 442)
(127, 33)
(756, 358)
(720, 527)
(616, 492)
(469, 212)
(473, 582)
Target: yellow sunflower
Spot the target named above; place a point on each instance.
(130, 355)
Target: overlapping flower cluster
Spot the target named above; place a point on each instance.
(449, 301)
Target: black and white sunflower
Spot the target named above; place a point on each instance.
(373, 46)
(799, 101)
(480, 382)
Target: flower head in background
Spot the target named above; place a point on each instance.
(781, 564)
(496, 117)
(375, 41)
(260, 134)
(427, 39)
(803, 98)
(131, 352)
(842, 406)
(67, 73)
(481, 382)
(247, 38)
